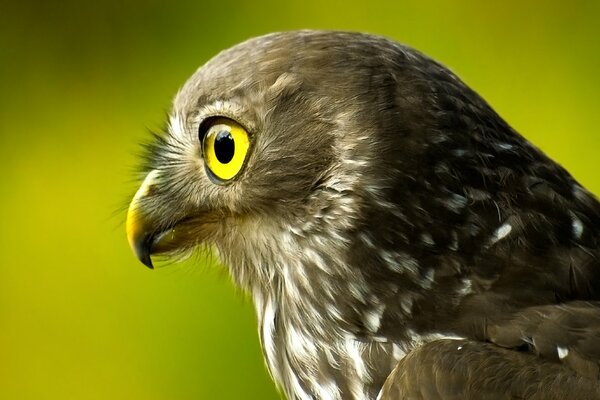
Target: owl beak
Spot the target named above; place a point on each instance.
(155, 230)
(139, 224)
(148, 236)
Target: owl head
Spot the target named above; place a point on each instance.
(330, 144)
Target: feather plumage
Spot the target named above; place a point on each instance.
(388, 224)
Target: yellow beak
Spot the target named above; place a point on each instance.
(139, 226)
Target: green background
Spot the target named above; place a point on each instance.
(80, 86)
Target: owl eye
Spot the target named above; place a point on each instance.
(224, 147)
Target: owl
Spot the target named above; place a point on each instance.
(399, 240)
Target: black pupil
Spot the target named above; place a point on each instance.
(224, 147)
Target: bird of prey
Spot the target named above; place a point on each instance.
(398, 238)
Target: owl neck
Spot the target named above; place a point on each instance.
(321, 319)
(311, 352)
(315, 324)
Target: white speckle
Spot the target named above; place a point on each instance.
(356, 291)
(268, 327)
(577, 227)
(400, 262)
(444, 336)
(528, 340)
(353, 162)
(456, 202)
(580, 193)
(331, 357)
(441, 168)
(501, 232)
(296, 231)
(373, 318)
(459, 348)
(439, 138)
(427, 239)
(397, 213)
(386, 204)
(454, 244)
(418, 339)
(428, 279)
(390, 261)
(379, 339)
(316, 259)
(266, 315)
(366, 238)
(477, 194)
(562, 352)
(406, 303)
(408, 263)
(353, 351)
(334, 312)
(397, 352)
(466, 287)
(504, 146)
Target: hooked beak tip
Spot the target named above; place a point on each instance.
(141, 244)
(147, 261)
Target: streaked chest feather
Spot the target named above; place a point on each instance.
(322, 334)
(309, 363)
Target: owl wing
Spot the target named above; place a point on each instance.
(464, 369)
(567, 333)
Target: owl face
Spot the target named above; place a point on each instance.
(257, 144)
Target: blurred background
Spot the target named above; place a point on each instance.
(82, 83)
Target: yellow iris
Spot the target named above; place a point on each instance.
(225, 146)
